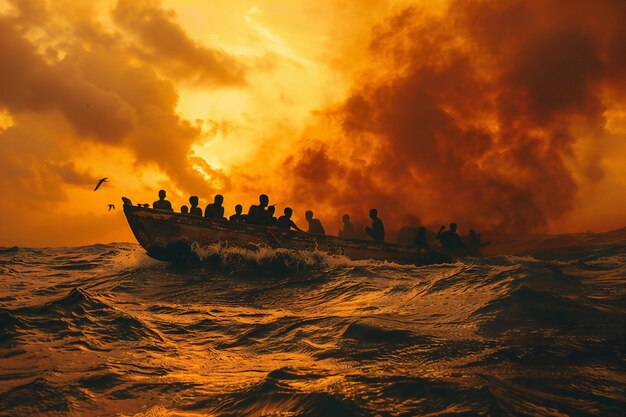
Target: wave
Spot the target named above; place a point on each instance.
(367, 333)
(528, 309)
(264, 331)
(42, 395)
(265, 260)
(12, 249)
(274, 395)
(85, 319)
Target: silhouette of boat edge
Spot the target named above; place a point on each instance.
(168, 236)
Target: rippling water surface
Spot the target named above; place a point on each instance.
(104, 330)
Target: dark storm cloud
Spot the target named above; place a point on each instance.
(472, 116)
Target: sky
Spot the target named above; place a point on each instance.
(501, 115)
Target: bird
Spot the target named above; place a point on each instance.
(111, 207)
(100, 183)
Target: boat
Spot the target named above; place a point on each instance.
(170, 237)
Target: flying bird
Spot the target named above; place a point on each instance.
(100, 183)
(111, 207)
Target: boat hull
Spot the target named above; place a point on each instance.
(169, 236)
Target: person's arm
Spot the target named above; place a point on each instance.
(441, 229)
(296, 227)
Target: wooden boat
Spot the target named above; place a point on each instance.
(169, 236)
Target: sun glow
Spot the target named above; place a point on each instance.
(334, 105)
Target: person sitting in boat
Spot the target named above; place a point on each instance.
(449, 239)
(473, 242)
(162, 203)
(215, 210)
(195, 210)
(270, 219)
(184, 209)
(257, 213)
(377, 231)
(348, 228)
(237, 217)
(284, 222)
(315, 225)
(420, 239)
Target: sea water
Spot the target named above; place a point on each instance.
(105, 330)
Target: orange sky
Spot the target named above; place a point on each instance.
(496, 114)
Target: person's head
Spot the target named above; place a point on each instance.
(308, 214)
(373, 213)
(421, 231)
(453, 227)
(288, 212)
(219, 199)
(271, 210)
(184, 209)
(264, 200)
(346, 218)
(238, 209)
(162, 194)
(472, 232)
(193, 200)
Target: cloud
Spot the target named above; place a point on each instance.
(101, 91)
(494, 114)
(475, 115)
(82, 89)
(29, 83)
(164, 43)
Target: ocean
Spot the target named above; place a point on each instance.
(103, 330)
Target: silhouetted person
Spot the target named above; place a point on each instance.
(348, 228)
(184, 209)
(473, 237)
(215, 210)
(194, 210)
(420, 239)
(162, 203)
(473, 242)
(377, 231)
(284, 222)
(257, 213)
(270, 219)
(237, 217)
(315, 225)
(449, 239)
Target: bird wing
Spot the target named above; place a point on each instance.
(111, 207)
(100, 183)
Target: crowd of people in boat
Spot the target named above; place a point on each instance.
(265, 214)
